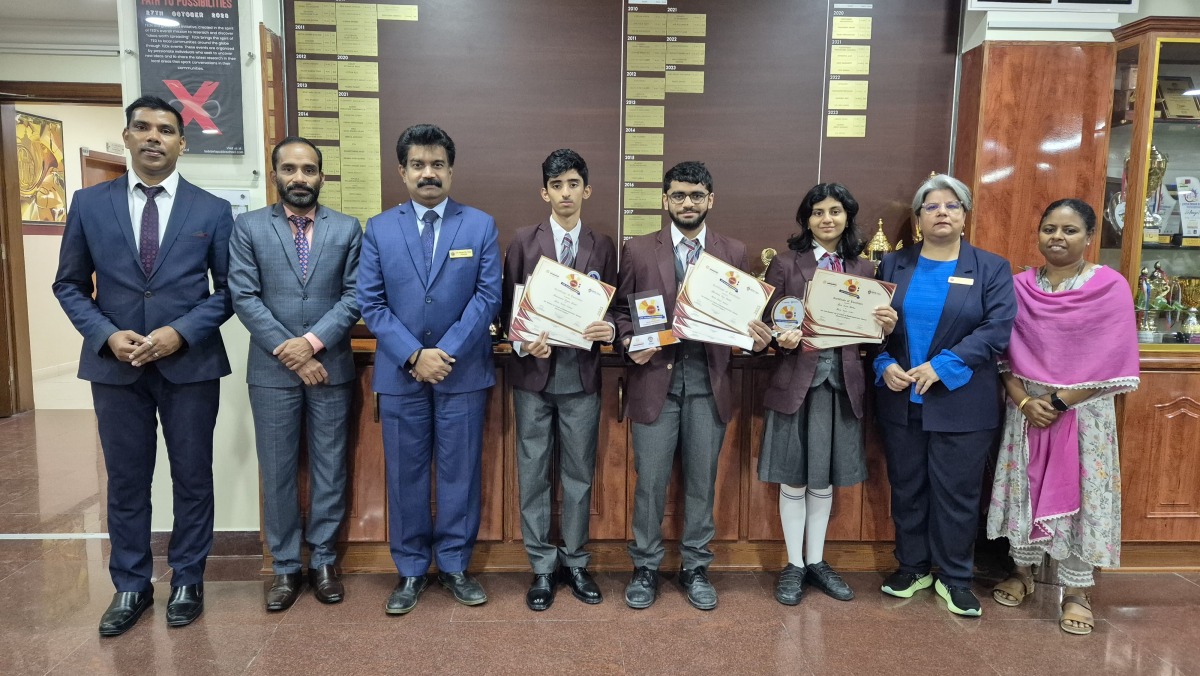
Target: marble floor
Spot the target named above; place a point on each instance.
(54, 586)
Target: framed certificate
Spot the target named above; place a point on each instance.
(837, 304)
(717, 293)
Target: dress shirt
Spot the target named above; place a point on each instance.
(440, 209)
(137, 203)
(678, 237)
(312, 339)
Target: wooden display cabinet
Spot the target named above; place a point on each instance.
(1148, 220)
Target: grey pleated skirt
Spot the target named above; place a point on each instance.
(820, 445)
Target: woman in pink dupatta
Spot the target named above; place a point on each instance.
(1057, 488)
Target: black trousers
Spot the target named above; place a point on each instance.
(936, 482)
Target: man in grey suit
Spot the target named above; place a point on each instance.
(292, 271)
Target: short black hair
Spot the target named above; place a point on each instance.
(1078, 206)
(152, 103)
(560, 162)
(688, 172)
(289, 140)
(424, 135)
(850, 244)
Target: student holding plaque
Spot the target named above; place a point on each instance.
(813, 438)
(680, 396)
(556, 390)
(938, 393)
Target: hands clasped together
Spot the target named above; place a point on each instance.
(138, 350)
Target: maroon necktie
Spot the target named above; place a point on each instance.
(301, 223)
(830, 262)
(148, 243)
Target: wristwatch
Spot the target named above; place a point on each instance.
(1058, 404)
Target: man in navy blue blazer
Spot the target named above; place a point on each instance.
(429, 288)
(151, 349)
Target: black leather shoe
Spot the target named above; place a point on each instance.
(284, 591)
(325, 584)
(700, 592)
(583, 587)
(185, 605)
(404, 596)
(821, 576)
(790, 586)
(465, 588)
(124, 611)
(642, 589)
(541, 592)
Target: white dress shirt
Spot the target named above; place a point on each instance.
(137, 203)
(440, 209)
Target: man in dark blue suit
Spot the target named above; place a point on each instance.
(151, 349)
(429, 287)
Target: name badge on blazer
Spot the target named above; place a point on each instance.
(462, 253)
(967, 281)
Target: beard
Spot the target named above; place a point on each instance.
(683, 225)
(303, 197)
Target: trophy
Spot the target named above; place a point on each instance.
(1154, 177)
(1147, 324)
(767, 255)
(1191, 327)
(877, 247)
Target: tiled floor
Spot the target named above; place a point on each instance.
(52, 592)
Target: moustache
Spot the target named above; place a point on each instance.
(299, 186)
(429, 181)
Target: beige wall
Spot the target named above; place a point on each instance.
(54, 343)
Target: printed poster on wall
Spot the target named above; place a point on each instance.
(189, 54)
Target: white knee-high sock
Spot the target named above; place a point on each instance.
(819, 505)
(791, 514)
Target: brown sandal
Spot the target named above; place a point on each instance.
(1016, 588)
(1087, 620)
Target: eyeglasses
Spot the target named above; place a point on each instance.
(932, 208)
(695, 197)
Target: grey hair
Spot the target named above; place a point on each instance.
(942, 182)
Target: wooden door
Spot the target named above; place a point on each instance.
(97, 167)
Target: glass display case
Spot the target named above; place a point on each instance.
(1151, 219)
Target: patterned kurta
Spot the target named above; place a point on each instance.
(1093, 534)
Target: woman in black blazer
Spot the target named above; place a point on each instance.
(938, 392)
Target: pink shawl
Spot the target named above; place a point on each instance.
(1079, 339)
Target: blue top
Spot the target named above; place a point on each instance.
(923, 305)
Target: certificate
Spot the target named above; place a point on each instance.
(837, 304)
(524, 328)
(717, 293)
(687, 327)
(566, 296)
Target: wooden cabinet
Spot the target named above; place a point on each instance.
(1160, 458)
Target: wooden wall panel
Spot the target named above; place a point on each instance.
(366, 499)
(1159, 464)
(1041, 134)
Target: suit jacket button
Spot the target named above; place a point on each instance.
(304, 297)
(306, 325)
(149, 294)
(429, 333)
(428, 299)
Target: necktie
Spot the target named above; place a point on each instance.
(830, 262)
(301, 223)
(693, 250)
(429, 218)
(564, 255)
(148, 242)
